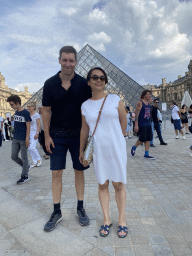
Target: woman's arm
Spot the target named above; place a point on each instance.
(122, 117)
(84, 134)
(38, 121)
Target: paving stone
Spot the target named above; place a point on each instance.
(181, 250)
(162, 250)
(143, 250)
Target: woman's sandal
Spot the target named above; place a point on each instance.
(124, 229)
(105, 228)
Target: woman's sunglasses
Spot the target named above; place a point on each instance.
(96, 78)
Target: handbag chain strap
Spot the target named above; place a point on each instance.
(99, 114)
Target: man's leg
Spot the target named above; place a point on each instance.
(152, 127)
(147, 136)
(57, 186)
(79, 184)
(74, 144)
(24, 158)
(15, 152)
(147, 144)
(157, 128)
(56, 216)
(57, 160)
(133, 149)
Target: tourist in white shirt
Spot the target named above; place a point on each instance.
(34, 134)
(177, 121)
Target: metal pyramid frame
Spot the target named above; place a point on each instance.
(118, 82)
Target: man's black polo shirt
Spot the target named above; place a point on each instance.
(65, 104)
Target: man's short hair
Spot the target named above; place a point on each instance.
(174, 103)
(144, 93)
(68, 49)
(15, 98)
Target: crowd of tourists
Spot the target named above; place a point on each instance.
(67, 117)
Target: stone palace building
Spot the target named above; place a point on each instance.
(5, 92)
(166, 92)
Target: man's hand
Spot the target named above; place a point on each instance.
(136, 129)
(27, 142)
(48, 143)
(36, 136)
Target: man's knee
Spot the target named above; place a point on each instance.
(57, 174)
(14, 157)
(79, 173)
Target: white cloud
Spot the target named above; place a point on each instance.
(102, 36)
(68, 11)
(29, 39)
(98, 16)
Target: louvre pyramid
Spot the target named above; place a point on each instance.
(118, 82)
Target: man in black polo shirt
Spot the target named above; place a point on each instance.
(155, 121)
(63, 95)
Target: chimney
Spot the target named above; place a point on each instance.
(179, 76)
(186, 73)
(163, 82)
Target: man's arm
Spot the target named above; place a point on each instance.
(137, 112)
(28, 126)
(46, 117)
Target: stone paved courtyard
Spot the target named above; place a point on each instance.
(158, 209)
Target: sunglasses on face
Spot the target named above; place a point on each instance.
(157, 102)
(96, 78)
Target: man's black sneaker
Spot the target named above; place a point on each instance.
(151, 145)
(52, 222)
(22, 180)
(150, 157)
(163, 143)
(83, 218)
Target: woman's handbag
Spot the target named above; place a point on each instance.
(88, 153)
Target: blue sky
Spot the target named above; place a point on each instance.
(147, 39)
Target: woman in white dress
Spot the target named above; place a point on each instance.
(109, 156)
(34, 134)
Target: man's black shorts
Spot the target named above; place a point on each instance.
(145, 133)
(59, 153)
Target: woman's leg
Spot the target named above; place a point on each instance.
(186, 127)
(120, 196)
(33, 151)
(104, 201)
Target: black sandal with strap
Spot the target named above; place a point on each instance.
(105, 228)
(124, 229)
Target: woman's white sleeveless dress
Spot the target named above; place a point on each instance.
(109, 156)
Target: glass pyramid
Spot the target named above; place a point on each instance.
(118, 82)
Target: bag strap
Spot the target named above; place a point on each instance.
(99, 114)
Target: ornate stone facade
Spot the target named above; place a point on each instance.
(5, 92)
(166, 92)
